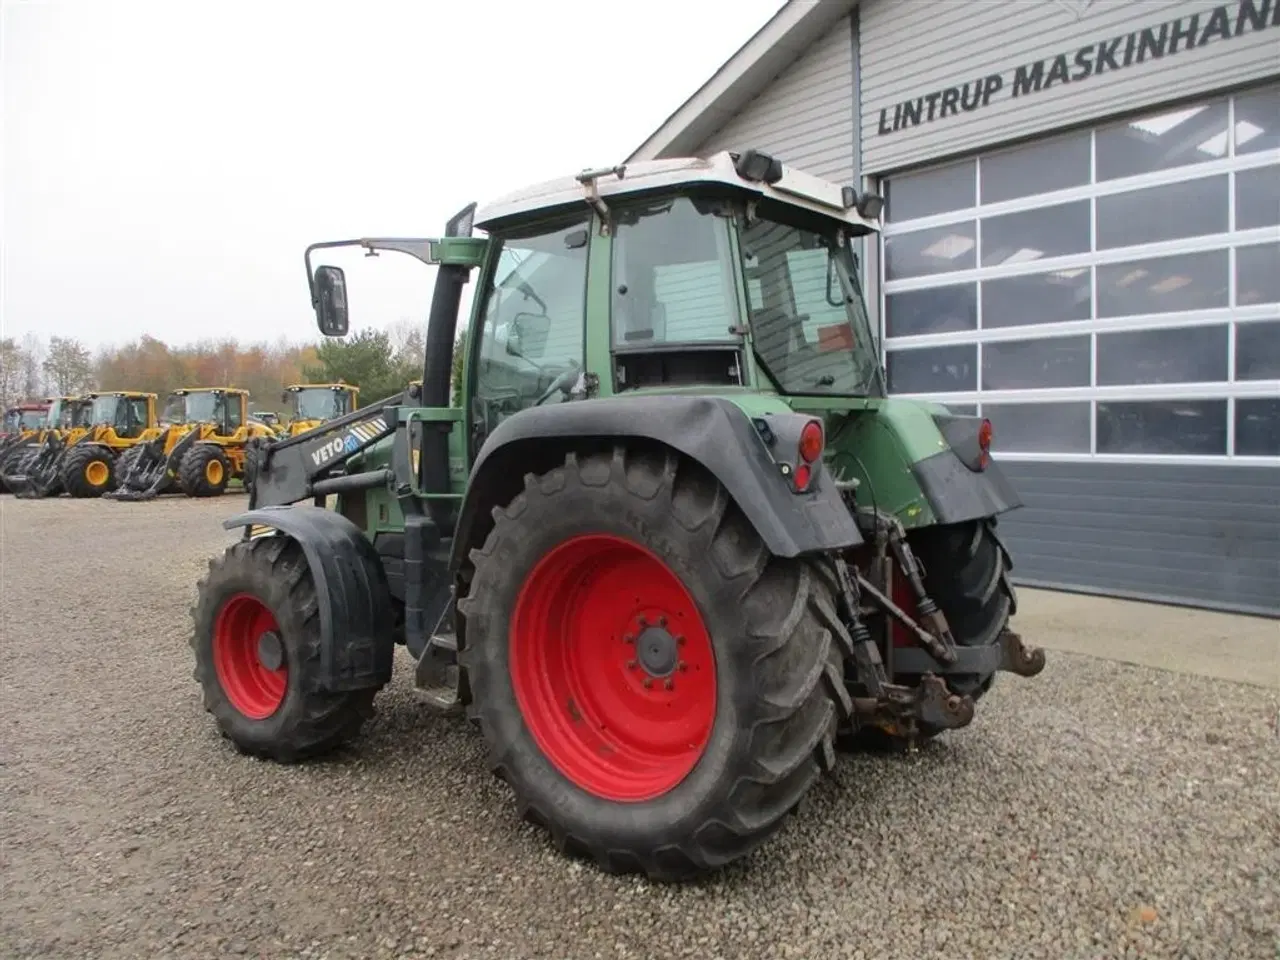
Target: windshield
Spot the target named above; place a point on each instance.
(808, 320)
(80, 414)
(192, 408)
(320, 403)
(103, 410)
(32, 419)
(55, 414)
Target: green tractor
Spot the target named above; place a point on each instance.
(672, 550)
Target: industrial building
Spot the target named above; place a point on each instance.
(1081, 241)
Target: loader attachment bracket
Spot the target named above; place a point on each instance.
(40, 475)
(152, 470)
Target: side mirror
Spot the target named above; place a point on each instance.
(329, 297)
(527, 335)
(284, 396)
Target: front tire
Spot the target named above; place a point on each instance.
(263, 692)
(204, 471)
(580, 594)
(88, 470)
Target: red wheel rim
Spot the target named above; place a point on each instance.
(253, 688)
(613, 669)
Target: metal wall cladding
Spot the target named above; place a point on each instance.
(940, 78)
(806, 114)
(1206, 535)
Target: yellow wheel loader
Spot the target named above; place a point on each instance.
(33, 468)
(200, 449)
(22, 426)
(119, 420)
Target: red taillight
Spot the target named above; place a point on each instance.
(802, 476)
(984, 441)
(811, 441)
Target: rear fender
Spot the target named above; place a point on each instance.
(711, 430)
(919, 462)
(356, 618)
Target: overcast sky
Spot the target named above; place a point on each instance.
(165, 163)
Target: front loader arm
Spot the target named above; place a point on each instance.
(297, 468)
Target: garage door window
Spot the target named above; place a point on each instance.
(1108, 293)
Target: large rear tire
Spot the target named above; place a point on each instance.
(261, 689)
(967, 574)
(88, 470)
(630, 566)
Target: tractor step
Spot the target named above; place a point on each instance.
(437, 674)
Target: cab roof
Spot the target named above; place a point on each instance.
(792, 186)
(131, 394)
(183, 391)
(323, 386)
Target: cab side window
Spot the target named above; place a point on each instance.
(138, 414)
(533, 320)
(231, 413)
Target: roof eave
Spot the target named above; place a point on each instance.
(773, 47)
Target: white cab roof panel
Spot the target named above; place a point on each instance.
(796, 187)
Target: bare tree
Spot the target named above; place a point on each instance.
(11, 372)
(68, 366)
(32, 374)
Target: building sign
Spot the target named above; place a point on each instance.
(1096, 59)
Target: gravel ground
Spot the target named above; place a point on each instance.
(1102, 810)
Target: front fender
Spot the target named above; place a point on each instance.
(713, 431)
(356, 620)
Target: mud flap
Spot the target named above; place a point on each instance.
(357, 642)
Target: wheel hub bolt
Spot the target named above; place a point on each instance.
(632, 664)
(662, 622)
(271, 650)
(629, 638)
(670, 684)
(648, 682)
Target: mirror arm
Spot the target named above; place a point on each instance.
(419, 249)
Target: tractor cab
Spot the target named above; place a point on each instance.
(310, 404)
(705, 288)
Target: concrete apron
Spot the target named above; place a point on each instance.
(1184, 640)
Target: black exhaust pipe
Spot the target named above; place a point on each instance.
(437, 370)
